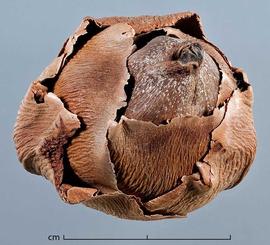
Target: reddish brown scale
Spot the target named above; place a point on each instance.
(82, 85)
(150, 160)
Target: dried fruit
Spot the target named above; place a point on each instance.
(140, 117)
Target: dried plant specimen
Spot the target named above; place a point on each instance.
(138, 117)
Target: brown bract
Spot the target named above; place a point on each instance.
(139, 117)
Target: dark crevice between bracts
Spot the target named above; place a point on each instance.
(142, 39)
(191, 26)
(128, 90)
(240, 81)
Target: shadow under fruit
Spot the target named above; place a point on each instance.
(139, 117)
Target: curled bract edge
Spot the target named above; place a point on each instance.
(72, 133)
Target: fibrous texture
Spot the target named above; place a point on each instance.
(138, 117)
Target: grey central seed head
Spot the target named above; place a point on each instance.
(172, 78)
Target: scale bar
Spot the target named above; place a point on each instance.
(147, 238)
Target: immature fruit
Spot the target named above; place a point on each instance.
(138, 117)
